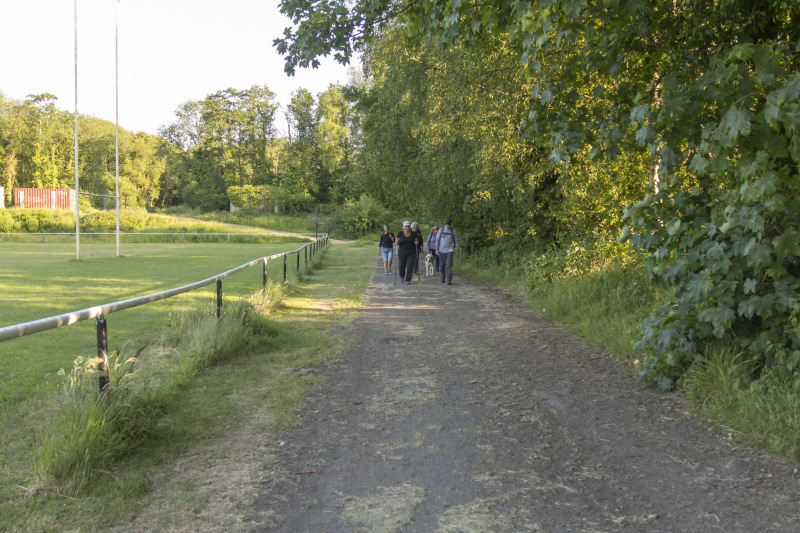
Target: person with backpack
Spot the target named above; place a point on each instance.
(446, 248)
(386, 245)
(430, 244)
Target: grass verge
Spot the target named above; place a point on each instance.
(607, 306)
(176, 407)
(764, 414)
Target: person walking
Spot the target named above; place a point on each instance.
(446, 248)
(415, 230)
(430, 245)
(385, 246)
(407, 243)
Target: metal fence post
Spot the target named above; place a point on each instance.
(305, 254)
(102, 350)
(298, 261)
(284, 268)
(219, 298)
(265, 274)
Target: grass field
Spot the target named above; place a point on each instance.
(265, 385)
(41, 280)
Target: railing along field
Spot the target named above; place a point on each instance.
(99, 312)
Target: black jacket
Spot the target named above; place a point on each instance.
(406, 244)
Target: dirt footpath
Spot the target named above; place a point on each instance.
(463, 410)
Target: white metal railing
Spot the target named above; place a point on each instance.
(246, 234)
(100, 311)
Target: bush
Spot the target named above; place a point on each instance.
(99, 221)
(29, 221)
(358, 217)
(576, 259)
(191, 195)
(8, 223)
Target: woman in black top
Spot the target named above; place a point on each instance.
(407, 243)
(385, 247)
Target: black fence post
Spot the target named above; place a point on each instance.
(265, 274)
(284, 268)
(298, 261)
(305, 254)
(102, 350)
(219, 298)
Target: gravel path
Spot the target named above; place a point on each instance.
(461, 409)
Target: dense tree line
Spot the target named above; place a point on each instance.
(229, 147)
(223, 148)
(37, 150)
(560, 120)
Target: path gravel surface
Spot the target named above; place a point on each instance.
(461, 409)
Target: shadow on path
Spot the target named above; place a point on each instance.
(463, 410)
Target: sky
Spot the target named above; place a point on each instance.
(170, 52)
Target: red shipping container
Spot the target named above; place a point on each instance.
(45, 198)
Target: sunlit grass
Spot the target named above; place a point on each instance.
(261, 384)
(39, 281)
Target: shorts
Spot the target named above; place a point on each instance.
(387, 254)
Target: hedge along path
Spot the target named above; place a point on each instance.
(461, 409)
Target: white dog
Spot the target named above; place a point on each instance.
(429, 265)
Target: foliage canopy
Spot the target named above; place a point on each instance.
(703, 95)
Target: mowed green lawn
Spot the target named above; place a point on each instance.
(41, 280)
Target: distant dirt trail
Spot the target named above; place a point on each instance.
(463, 410)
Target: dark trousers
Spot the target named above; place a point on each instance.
(447, 265)
(406, 260)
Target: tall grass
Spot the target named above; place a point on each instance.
(91, 429)
(141, 223)
(763, 413)
(606, 305)
(292, 223)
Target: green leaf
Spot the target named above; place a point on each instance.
(750, 285)
(787, 245)
(698, 165)
(736, 122)
(645, 135)
(640, 113)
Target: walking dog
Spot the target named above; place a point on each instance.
(429, 265)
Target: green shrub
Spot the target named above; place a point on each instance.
(99, 221)
(8, 223)
(191, 195)
(576, 259)
(358, 217)
(29, 221)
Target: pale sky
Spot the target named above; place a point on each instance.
(170, 51)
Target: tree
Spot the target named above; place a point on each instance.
(221, 141)
(708, 89)
(301, 175)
